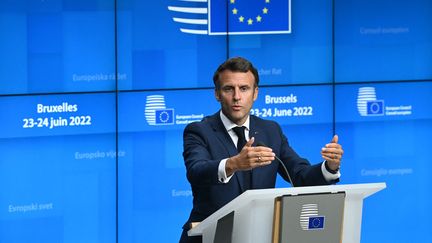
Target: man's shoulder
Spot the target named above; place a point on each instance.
(258, 121)
(206, 122)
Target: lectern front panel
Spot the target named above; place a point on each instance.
(311, 218)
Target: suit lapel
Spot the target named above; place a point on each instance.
(257, 133)
(222, 134)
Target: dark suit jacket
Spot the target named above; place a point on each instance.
(207, 142)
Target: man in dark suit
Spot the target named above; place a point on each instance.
(221, 154)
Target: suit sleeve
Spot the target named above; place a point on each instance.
(201, 168)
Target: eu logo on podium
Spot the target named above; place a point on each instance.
(316, 223)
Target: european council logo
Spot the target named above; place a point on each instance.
(309, 218)
(233, 17)
(156, 112)
(367, 103)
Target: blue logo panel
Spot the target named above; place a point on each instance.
(316, 223)
(250, 17)
(164, 117)
(375, 108)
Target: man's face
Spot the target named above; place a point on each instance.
(237, 94)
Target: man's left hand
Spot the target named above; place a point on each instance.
(332, 153)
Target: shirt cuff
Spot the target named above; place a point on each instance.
(222, 173)
(329, 176)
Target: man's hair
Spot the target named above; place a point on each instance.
(235, 64)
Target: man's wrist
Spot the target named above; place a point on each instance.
(329, 169)
(229, 170)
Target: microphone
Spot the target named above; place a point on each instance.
(281, 163)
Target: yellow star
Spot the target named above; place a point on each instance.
(265, 10)
(241, 19)
(232, 1)
(258, 18)
(250, 21)
(267, 1)
(234, 11)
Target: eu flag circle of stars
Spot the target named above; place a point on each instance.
(249, 20)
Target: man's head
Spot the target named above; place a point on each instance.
(235, 64)
(236, 88)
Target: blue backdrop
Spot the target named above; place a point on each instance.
(86, 157)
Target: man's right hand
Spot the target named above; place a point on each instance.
(249, 158)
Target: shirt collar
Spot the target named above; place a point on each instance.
(228, 124)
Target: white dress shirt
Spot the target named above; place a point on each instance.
(229, 125)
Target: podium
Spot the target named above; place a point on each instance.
(254, 210)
